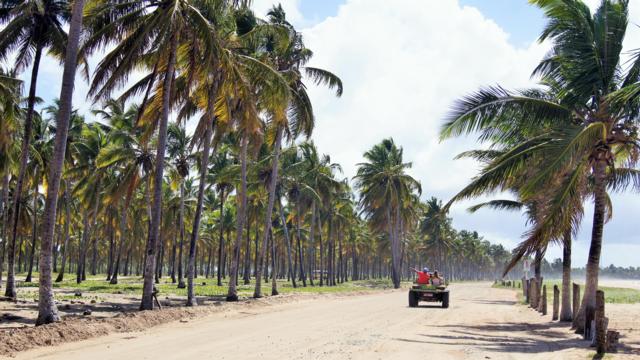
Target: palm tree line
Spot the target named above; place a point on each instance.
(204, 166)
(565, 144)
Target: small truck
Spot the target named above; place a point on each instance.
(428, 293)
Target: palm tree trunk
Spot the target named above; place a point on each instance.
(174, 251)
(67, 225)
(111, 248)
(232, 294)
(154, 231)
(303, 277)
(246, 274)
(204, 168)
(221, 239)
(341, 268)
(94, 257)
(395, 250)
(34, 235)
(274, 283)
(47, 311)
(566, 312)
(181, 284)
(257, 293)
(10, 290)
(321, 251)
(310, 249)
(82, 245)
(123, 229)
(588, 306)
(287, 239)
(5, 210)
(94, 224)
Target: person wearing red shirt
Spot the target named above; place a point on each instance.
(424, 276)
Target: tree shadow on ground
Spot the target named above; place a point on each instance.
(541, 338)
(494, 302)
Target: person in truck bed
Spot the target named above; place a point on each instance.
(424, 276)
(436, 280)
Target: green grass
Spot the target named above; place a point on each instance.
(612, 295)
(133, 285)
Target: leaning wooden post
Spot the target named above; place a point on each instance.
(556, 302)
(601, 326)
(541, 288)
(543, 306)
(576, 304)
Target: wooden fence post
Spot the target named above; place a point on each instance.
(576, 304)
(533, 290)
(543, 306)
(540, 289)
(556, 302)
(524, 289)
(601, 330)
(589, 323)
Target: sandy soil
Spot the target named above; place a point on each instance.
(482, 323)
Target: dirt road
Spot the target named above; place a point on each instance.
(482, 323)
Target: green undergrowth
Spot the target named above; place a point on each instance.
(612, 295)
(203, 287)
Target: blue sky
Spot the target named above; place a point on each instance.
(521, 20)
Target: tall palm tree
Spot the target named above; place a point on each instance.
(129, 158)
(181, 161)
(40, 150)
(296, 115)
(47, 311)
(222, 173)
(385, 187)
(435, 224)
(172, 24)
(596, 105)
(89, 185)
(10, 114)
(31, 27)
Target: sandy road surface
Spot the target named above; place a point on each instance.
(482, 323)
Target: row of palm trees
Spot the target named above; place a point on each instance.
(183, 167)
(570, 140)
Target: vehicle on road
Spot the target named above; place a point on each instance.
(428, 293)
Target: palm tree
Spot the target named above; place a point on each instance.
(385, 188)
(40, 153)
(31, 27)
(172, 24)
(47, 311)
(10, 114)
(589, 127)
(129, 158)
(435, 224)
(222, 173)
(89, 179)
(290, 60)
(181, 161)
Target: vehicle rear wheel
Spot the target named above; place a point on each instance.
(413, 299)
(445, 300)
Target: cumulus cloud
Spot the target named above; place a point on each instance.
(403, 63)
(291, 7)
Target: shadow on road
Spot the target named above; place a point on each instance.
(539, 338)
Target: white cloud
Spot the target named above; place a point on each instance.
(291, 7)
(403, 63)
